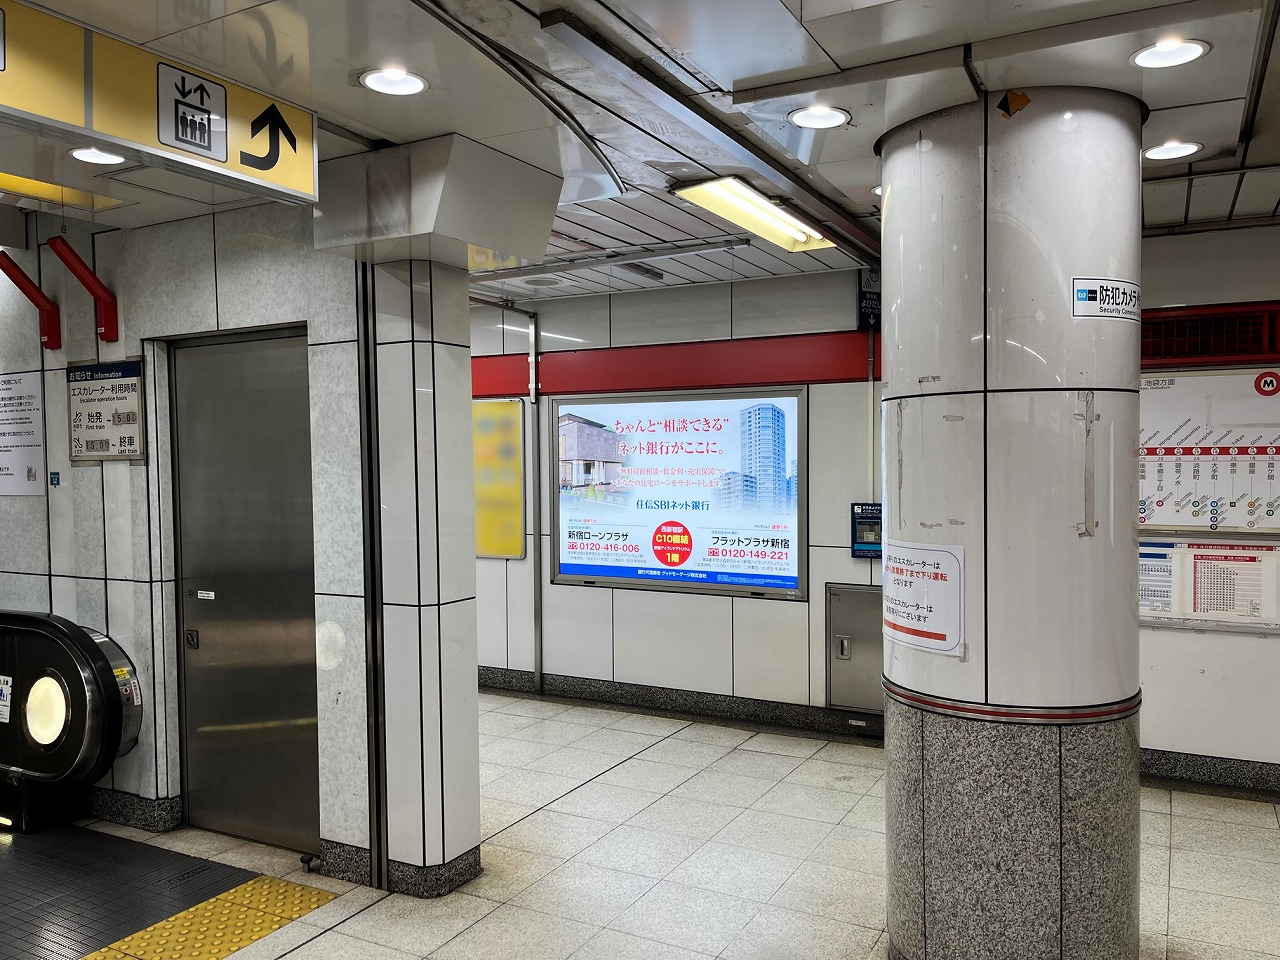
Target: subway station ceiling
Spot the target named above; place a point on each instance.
(627, 98)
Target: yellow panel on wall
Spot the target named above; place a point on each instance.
(497, 437)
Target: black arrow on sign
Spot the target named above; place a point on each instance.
(204, 93)
(273, 121)
(183, 90)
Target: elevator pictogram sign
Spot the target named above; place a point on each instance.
(191, 112)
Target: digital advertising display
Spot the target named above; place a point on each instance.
(696, 491)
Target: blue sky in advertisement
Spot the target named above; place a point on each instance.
(690, 491)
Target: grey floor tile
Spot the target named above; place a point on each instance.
(647, 775)
(616, 945)
(194, 842)
(1155, 828)
(512, 933)
(605, 801)
(508, 871)
(867, 813)
(553, 834)
(269, 861)
(776, 833)
(1155, 799)
(345, 907)
(877, 788)
(1226, 921)
(581, 891)
(1194, 950)
(1154, 864)
(854, 754)
(490, 772)
(654, 726)
(551, 731)
(1151, 946)
(835, 893)
(802, 747)
(1226, 839)
(336, 946)
(490, 700)
(320, 881)
(775, 933)
(637, 850)
(1228, 876)
(514, 753)
(280, 942)
(812, 803)
(497, 815)
(416, 926)
(1251, 813)
(1153, 908)
(618, 742)
(713, 733)
(834, 776)
(503, 724)
(592, 716)
(539, 709)
(685, 753)
(572, 762)
(754, 763)
(698, 920)
(686, 818)
(712, 786)
(881, 950)
(853, 849)
(529, 788)
(736, 871)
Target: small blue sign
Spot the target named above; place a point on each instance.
(55, 478)
(1082, 295)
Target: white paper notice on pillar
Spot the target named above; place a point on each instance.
(1104, 298)
(21, 435)
(104, 407)
(924, 596)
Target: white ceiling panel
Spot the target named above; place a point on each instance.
(1259, 194)
(1211, 198)
(1216, 125)
(1164, 203)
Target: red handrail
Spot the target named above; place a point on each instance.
(50, 327)
(104, 299)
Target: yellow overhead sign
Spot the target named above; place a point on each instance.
(162, 111)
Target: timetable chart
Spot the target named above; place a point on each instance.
(1208, 452)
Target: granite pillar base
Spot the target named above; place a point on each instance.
(153, 815)
(345, 862)
(435, 880)
(1011, 841)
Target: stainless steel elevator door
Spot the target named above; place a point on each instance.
(243, 455)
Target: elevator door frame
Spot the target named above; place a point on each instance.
(282, 332)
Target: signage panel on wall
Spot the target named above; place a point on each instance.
(1208, 452)
(497, 443)
(21, 435)
(924, 596)
(697, 492)
(105, 410)
(1224, 582)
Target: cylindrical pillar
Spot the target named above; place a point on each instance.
(1012, 231)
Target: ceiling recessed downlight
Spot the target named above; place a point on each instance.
(1172, 52)
(94, 155)
(1173, 150)
(819, 117)
(878, 190)
(396, 81)
(543, 282)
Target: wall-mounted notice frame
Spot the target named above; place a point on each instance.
(1202, 584)
(105, 411)
(21, 435)
(497, 444)
(1208, 450)
(692, 492)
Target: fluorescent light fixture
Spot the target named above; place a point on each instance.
(819, 117)
(94, 155)
(395, 81)
(553, 336)
(738, 202)
(5, 822)
(46, 711)
(878, 190)
(1173, 150)
(1171, 52)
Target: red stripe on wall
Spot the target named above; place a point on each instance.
(763, 361)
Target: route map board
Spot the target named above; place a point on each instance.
(1208, 451)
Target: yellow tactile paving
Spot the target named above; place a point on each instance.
(219, 927)
(280, 898)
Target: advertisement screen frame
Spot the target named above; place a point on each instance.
(801, 395)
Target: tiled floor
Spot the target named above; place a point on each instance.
(618, 836)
